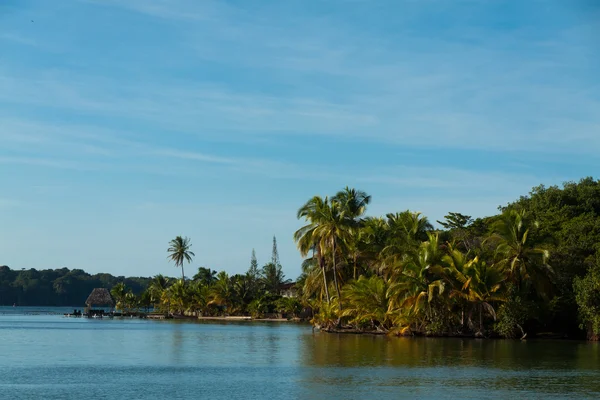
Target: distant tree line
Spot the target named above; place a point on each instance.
(57, 287)
(207, 293)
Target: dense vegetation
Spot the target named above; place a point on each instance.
(209, 293)
(532, 269)
(255, 293)
(57, 287)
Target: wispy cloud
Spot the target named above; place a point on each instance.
(19, 39)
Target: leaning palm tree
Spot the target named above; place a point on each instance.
(179, 252)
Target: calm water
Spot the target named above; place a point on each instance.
(44, 356)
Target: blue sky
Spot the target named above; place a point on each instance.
(124, 123)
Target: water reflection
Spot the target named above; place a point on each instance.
(442, 367)
(52, 357)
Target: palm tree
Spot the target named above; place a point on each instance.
(368, 299)
(178, 296)
(334, 227)
(119, 293)
(520, 255)
(306, 238)
(221, 291)
(199, 298)
(354, 204)
(206, 276)
(374, 237)
(414, 286)
(406, 230)
(179, 252)
(481, 285)
(158, 285)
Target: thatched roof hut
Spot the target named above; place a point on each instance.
(99, 297)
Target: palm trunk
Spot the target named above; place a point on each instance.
(335, 280)
(182, 275)
(481, 318)
(322, 265)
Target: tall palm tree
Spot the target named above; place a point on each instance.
(307, 240)
(354, 204)
(333, 228)
(179, 252)
(353, 201)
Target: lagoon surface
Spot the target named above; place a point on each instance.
(48, 356)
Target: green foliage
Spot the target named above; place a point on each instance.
(511, 318)
(57, 287)
(513, 271)
(206, 276)
(587, 296)
(367, 299)
(456, 221)
(289, 305)
(272, 277)
(179, 252)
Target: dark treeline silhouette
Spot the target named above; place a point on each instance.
(57, 287)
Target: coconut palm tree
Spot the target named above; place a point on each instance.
(406, 231)
(178, 296)
(422, 274)
(353, 204)
(520, 255)
(119, 293)
(158, 285)
(353, 201)
(481, 286)
(206, 276)
(199, 298)
(179, 252)
(221, 291)
(307, 240)
(334, 227)
(368, 299)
